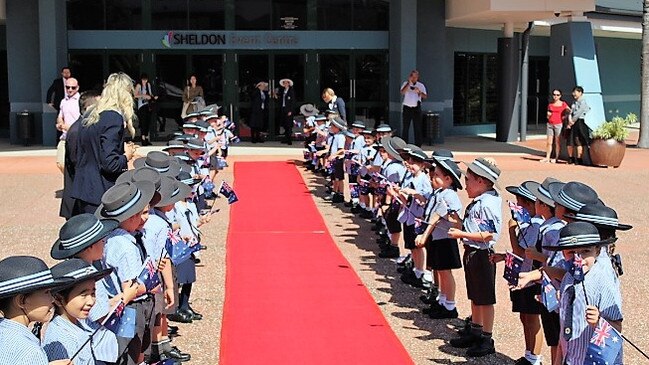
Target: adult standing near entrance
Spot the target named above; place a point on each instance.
(258, 111)
(193, 97)
(334, 102)
(413, 93)
(68, 114)
(287, 100)
(557, 109)
(145, 101)
(102, 154)
(579, 131)
(56, 91)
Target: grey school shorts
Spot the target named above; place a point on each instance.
(554, 130)
(480, 276)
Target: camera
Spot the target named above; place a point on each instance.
(412, 87)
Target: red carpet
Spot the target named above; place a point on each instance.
(291, 297)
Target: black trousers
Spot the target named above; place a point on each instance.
(412, 114)
(255, 134)
(287, 123)
(144, 118)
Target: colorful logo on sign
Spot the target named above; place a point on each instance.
(167, 39)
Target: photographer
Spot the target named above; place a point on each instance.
(413, 93)
(145, 102)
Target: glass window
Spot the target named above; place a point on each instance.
(126, 63)
(85, 14)
(124, 14)
(475, 100)
(169, 14)
(209, 72)
(206, 14)
(88, 69)
(172, 70)
(371, 15)
(289, 15)
(334, 74)
(334, 14)
(252, 14)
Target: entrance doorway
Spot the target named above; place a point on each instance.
(539, 93)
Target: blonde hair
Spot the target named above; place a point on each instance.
(328, 91)
(117, 96)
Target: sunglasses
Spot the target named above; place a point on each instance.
(71, 87)
(556, 94)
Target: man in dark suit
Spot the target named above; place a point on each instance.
(56, 92)
(258, 111)
(287, 104)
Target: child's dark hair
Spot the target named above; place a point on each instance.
(63, 296)
(5, 303)
(454, 184)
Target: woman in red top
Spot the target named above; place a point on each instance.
(556, 111)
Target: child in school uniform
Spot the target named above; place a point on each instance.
(196, 150)
(481, 228)
(156, 231)
(414, 194)
(395, 172)
(335, 159)
(368, 152)
(26, 286)
(70, 328)
(354, 150)
(124, 252)
(592, 295)
(443, 254)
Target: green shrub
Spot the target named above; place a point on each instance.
(615, 128)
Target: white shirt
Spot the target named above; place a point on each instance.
(410, 97)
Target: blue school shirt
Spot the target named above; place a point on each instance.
(603, 291)
(122, 254)
(550, 231)
(443, 202)
(368, 154)
(378, 160)
(421, 183)
(337, 143)
(528, 235)
(394, 171)
(155, 233)
(485, 207)
(63, 339)
(358, 144)
(19, 345)
(105, 289)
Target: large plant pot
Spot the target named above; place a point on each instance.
(607, 152)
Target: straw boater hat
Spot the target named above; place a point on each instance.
(482, 167)
(440, 154)
(159, 161)
(140, 174)
(417, 154)
(392, 145)
(195, 144)
(186, 178)
(26, 274)
(522, 191)
(339, 123)
(349, 134)
(78, 271)
(383, 128)
(600, 216)
(358, 124)
(261, 83)
(451, 167)
(79, 233)
(541, 191)
(124, 200)
(308, 110)
(172, 191)
(578, 235)
(290, 82)
(573, 195)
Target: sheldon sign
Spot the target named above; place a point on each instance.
(228, 40)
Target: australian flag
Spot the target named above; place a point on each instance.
(121, 321)
(577, 268)
(348, 155)
(520, 214)
(353, 190)
(549, 296)
(149, 275)
(227, 192)
(512, 268)
(178, 249)
(604, 346)
(363, 186)
(485, 225)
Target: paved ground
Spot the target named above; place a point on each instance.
(29, 223)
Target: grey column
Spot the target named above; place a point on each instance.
(507, 86)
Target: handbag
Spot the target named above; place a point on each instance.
(183, 112)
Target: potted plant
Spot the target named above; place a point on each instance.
(608, 147)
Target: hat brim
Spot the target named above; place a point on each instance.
(59, 253)
(307, 113)
(184, 191)
(515, 190)
(96, 276)
(442, 164)
(618, 227)
(147, 191)
(581, 245)
(533, 187)
(174, 167)
(475, 169)
(289, 81)
(57, 283)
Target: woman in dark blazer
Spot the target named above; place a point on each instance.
(101, 153)
(258, 111)
(287, 104)
(334, 102)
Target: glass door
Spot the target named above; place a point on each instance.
(286, 66)
(252, 69)
(370, 89)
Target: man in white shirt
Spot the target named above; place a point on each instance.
(413, 93)
(68, 114)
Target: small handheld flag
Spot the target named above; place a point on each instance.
(485, 225)
(228, 192)
(577, 268)
(353, 190)
(519, 214)
(549, 296)
(605, 344)
(179, 251)
(513, 264)
(121, 321)
(149, 275)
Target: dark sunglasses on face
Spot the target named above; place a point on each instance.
(71, 87)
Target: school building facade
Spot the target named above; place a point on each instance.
(489, 65)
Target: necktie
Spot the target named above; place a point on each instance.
(140, 245)
(567, 320)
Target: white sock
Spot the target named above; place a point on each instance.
(534, 359)
(418, 273)
(449, 304)
(362, 204)
(355, 200)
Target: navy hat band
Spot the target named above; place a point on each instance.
(81, 238)
(42, 277)
(126, 206)
(581, 239)
(571, 203)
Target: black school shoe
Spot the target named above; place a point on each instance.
(195, 316)
(465, 341)
(522, 361)
(176, 354)
(180, 317)
(442, 313)
(431, 295)
(172, 330)
(338, 198)
(348, 204)
(391, 252)
(366, 214)
(356, 209)
(409, 277)
(483, 346)
(434, 306)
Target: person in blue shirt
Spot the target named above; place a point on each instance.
(480, 230)
(394, 171)
(70, 328)
(369, 151)
(335, 159)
